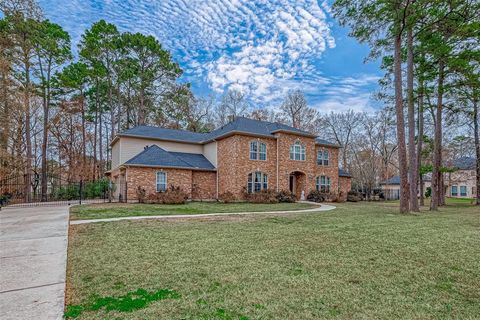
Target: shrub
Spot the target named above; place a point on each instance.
(263, 196)
(286, 196)
(317, 196)
(428, 192)
(227, 197)
(95, 189)
(342, 196)
(354, 196)
(173, 195)
(141, 194)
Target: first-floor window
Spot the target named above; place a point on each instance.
(454, 191)
(323, 184)
(257, 181)
(161, 181)
(463, 191)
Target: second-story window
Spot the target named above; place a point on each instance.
(297, 151)
(322, 157)
(258, 150)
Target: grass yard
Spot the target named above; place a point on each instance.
(360, 261)
(114, 210)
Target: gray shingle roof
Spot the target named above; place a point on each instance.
(164, 133)
(395, 180)
(465, 163)
(326, 143)
(240, 124)
(156, 156)
(343, 173)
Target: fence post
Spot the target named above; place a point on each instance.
(81, 191)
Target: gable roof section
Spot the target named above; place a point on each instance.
(239, 125)
(154, 156)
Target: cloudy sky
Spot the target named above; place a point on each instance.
(262, 47)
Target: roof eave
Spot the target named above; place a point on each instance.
(234, 132)
(304, 134)
(328, 145)
(155, 138)
(168, 167)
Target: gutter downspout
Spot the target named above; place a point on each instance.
(277, 166)
(216, 161)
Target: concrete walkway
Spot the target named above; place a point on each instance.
(33, 253)
(323, 207)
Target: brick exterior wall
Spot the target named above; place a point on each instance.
(345, 184)
(204, 185)
(234, 165)
(146, 178)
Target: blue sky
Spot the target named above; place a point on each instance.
(263, 48)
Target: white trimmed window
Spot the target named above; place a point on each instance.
(454, 191)
(257, 181)
(297, 151)
(161, 181)
(463, 191)
(323, 184)
(322, 157)
(258, 150)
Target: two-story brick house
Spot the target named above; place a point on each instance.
(244, 155)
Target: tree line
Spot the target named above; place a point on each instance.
(430, 54)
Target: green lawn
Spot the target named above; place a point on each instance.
(360, 261)
(114, 210)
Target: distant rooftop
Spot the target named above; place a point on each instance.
(239, 125)
(465, 163)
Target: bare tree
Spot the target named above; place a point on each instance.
(293, 108)
(340, 128)
(233, 105)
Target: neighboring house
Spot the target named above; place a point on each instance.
(243, 155)
(391, 187)
(462, 182)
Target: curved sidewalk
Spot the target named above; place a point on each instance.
(323, 207)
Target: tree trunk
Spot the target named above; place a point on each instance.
(46, 109)
(420, 144)
(44, 148)
(477, 149)
(28, 134)
(413, 172)
(402, 152)
(95, 136)
(84, 135)
(437, 146)
(100, 144)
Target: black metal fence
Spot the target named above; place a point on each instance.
(31, 189)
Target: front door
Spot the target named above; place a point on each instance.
(291, 184)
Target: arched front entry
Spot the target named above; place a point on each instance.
(297, 182)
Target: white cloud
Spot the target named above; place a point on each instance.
(264, 48)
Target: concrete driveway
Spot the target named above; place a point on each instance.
(33, 253)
